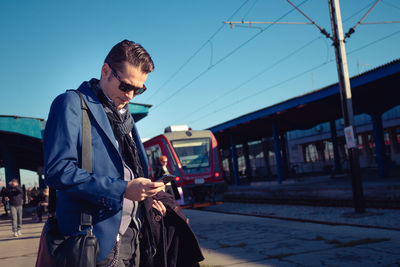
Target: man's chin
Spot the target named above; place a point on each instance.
(121, 106)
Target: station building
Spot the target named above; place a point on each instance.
(305, 135)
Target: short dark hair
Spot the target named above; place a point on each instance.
(132, 53)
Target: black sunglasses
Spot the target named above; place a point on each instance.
(125, 87)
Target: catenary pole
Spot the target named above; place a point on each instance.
(347, 105)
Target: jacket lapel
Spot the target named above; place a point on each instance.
(97, 110)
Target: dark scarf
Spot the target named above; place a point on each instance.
(122, 125)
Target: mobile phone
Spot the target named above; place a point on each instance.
(166, 178)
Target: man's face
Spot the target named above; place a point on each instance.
(129, 74)
(14, 184)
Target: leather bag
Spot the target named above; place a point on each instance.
(57, 250)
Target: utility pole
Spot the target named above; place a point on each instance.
(347, 105)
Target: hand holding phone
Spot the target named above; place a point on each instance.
(166, 178)
(140, 188)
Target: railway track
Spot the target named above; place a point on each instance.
(372, 218)
(327, 202)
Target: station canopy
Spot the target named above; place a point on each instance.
(22, 137)
(373, 92)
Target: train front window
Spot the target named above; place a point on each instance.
(194, 154)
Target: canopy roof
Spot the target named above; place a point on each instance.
(22, 137)
(374, 92)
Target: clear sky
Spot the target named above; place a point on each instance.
(206, 73)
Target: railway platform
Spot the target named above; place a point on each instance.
(322, 190)
(22, 250)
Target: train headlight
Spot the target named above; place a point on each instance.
(177, 178)
(217, 174)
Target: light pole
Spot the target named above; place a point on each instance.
(347, 105)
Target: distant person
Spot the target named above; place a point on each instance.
(43, 203)
(15, 196)
(4, 201)
(34, 196)
(161, 167)
(28, 195)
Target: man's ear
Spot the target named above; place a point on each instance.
(105, 71)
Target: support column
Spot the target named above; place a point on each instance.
(278, 156)
(336, 156)
(367, 149)
(379, 144)
(234, 161)
(231, 176)
(393, 144)
(393, 141)
(265, 146)
(10, 166)
(320, 150)
(285, 156)
(247, 161)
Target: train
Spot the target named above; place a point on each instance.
(193, 157)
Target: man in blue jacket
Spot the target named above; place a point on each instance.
(111, 193)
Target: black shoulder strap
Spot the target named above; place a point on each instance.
(86, 158)
(86, 137)
(86, 219)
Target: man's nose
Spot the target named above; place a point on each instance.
(129, 95)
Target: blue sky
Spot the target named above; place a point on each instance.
(50, 46)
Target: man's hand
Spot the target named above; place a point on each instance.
(158, 205)
(140, 188)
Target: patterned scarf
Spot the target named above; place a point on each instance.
(122, 125)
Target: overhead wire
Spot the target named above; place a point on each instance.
(211, 52)
(195, 53)
(353, 29)
(390, 4)
(249, 27)
(293, 77)
(230, 91)
(358, 12)
(376, 41)
(268, 68)
(322, 30)
(156, 106)
(262, 91)
(251, 8)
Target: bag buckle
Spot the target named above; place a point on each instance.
(86, 220)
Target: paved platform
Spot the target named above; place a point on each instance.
(22, 250)
(249, 241)
(261, 241)
(341, 216)
(321, 190)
